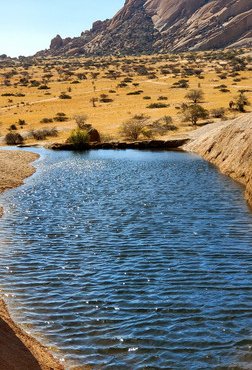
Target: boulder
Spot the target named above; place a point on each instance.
(94, 136)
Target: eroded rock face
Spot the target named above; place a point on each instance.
(201, 24)
(147, 26)
(228, 146)
(56, 43)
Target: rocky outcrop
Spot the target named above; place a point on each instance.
(171, 144)
(144, 26)
(201, 24)
(94, 136)
(229, 147)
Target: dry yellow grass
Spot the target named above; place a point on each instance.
(108, 117)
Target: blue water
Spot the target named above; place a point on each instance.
(131, 260)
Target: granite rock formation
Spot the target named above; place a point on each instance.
(229, 147)
(147, 26)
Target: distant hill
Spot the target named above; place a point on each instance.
(148, 26)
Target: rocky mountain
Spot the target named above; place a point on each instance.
(147, 26)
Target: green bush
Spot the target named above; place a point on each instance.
(79, 139)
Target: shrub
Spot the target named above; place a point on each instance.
(162, 125)
(122, 84)
(146, 97)
(220, 87)
(43, 87)
(162, 98)
(13, 127)
(241, 101)
(224, 90)
(218, 112)
(182, 84)
(46, 120)
(134, 127)
(157, 105)
(8, 94)
(104, 98)
(13, 138)
(21, 122)
(60, 117)
(44, 133)
(127, 79)
(138, 92)
(79, 139)
(64, 95)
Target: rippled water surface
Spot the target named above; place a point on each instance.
(131, 260)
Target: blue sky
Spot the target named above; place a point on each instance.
(27, 26)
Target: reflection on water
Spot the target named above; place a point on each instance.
(131, 260)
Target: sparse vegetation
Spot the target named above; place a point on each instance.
(218, 112)
(64, 95)
(157, 105)
(43, 134)
(107, 90)
(134, 127)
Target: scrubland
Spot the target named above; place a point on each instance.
(47, 94)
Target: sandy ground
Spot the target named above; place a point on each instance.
(19, 351)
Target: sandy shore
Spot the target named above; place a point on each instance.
(228, 145)
(18, 350)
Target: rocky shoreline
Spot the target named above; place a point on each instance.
(171, 144)
(228, 145)
(18, 350)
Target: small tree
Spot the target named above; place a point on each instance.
(195, 95)
(194, 112)
(241, 101)
(93, 101)
(134, 127)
